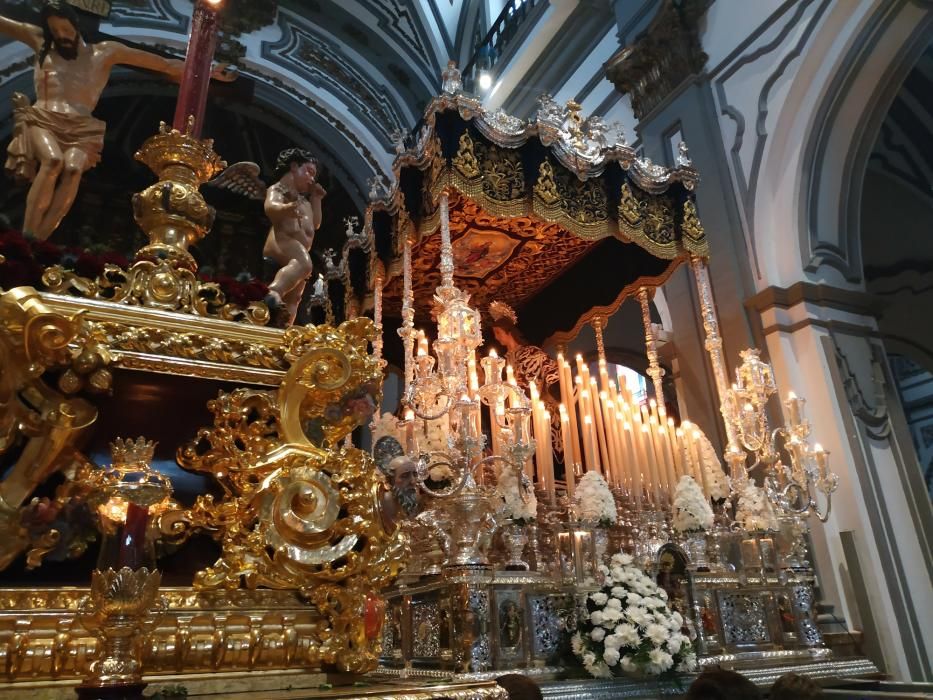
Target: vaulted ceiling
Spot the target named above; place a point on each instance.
(341, 77)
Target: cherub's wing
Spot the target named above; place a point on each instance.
(241, 178)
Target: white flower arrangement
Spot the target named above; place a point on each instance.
(593, 501)
(440, 473)
(717, 481)
(754, 512)
(514, 506)
(433, 436)
(629, 627)
(691, 509)
(385, 425)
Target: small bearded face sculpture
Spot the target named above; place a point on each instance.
(65, 36)
(404, 484)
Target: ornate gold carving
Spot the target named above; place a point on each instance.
(136, 337)
(33, 340)
(298, 513)
(193, 346)
(198, 632)
(630, 208)
(121, 605)
(172, 212)
(649, 221)
(546, 187)
(174, 215)
(503, 174)
(160, 285)
(465, 159)
(694, 235)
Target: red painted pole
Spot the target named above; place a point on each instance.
(196, 78)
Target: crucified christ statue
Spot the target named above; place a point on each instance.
(57, 139)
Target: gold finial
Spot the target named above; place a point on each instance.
(131, 452)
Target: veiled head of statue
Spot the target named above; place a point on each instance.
(61, 29)
(505, 325)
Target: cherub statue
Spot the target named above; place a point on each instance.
(293, 205)
(56, 140)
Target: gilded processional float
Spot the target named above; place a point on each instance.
(497, 523)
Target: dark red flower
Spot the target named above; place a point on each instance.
(47, 253)
(111, 257)
(255, 290)
(19, 273)
(14, 247)
(89, 265)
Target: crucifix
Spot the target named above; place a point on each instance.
(57, 139)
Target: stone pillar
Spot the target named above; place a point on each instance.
(823, 344)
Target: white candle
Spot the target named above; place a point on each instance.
(636, 465)
(588, 449)
(567, 398)
(599, 428)
(568, 464)
(548, 455)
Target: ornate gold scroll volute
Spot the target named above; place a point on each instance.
(301, 511)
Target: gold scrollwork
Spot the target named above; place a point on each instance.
(694, 235)
(465, 159)
(546, 187)
(630, 207)
(299, 513)
(192, 346)
(503, 175)
(161, 285)
(38, 419)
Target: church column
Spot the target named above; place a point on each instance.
(873, 555)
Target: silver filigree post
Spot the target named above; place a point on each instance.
(735, 456)
(655, 371)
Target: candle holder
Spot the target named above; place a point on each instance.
(124, 604)
(804, 484)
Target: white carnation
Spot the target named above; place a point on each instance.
(599, 598)
(632, 616)
(660, 659)
(614, 641)
(717, 481)
(622, 559)
(518, 503)
(611, 616)
(611, 656)
(576, 643)
(689, 663)
(754, 512)
(593, 501)
(600, 670)
(657, 633)
(692, 511)
(627, 635)
(637, 615)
